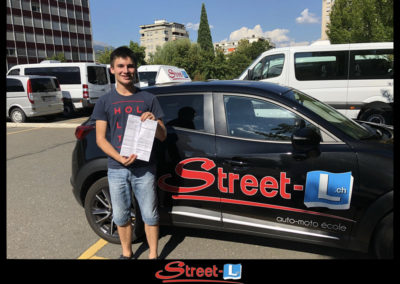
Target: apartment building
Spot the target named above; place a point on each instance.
(325, 17)
(38, 29)
(231, 46)
(160, 32)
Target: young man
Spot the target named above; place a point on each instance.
(126, 173)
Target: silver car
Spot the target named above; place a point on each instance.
(33, 96)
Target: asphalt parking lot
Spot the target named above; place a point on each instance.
(44, 221)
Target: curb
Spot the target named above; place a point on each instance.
(44, 125)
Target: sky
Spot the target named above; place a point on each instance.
(285, 22)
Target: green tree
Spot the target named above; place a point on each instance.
(59, 57)
(204, 38)
(139, 51)
(104, 56)
(361, 21)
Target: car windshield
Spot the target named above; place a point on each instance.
(347, 125)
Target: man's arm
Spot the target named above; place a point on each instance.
(105, 145)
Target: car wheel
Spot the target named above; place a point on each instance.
(98, 210)
(376, 116)
(383, 238)
(17, 115)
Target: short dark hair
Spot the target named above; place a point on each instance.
(124, 52)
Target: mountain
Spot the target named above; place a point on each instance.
(100, 46)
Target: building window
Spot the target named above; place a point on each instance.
(11, 52)
(26, 5)
(30, 37)
(36, 8)
(45, 9)
(39, 38)
(47, 24)
(41, 53)
(19, 36)
(28, 22)
(21, 51)
(17, 20)
(10, 35)
(37, 23)
(31, 52)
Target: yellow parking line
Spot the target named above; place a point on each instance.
(23, 130)
(90, 252)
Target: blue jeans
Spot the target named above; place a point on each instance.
(142, 182)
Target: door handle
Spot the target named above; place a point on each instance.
(236, 163)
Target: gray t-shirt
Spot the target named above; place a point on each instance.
(115, 108)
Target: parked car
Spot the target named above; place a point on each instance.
(33, 96)
(82, 83)
(256, 158)
(355, 78)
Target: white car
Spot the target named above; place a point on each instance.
(33, 96)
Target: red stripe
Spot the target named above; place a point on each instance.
(119, 102)
(255, 204)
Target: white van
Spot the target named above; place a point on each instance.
(356, 79)
(81, 83)
(161, 74)
(33, 96)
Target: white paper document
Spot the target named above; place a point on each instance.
(138, 137)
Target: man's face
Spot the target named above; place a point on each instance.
(123, 70)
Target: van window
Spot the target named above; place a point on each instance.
(43, 85)
(269, 67)
(371, 64)
(326, 65)
(97, 75)
(186, 111)
(14, 85)
(150, 77)
(14, 72)
(112, 76)
(65, 75)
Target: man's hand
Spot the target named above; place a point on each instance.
(147, 115)
(126, 161)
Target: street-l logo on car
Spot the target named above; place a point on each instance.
(331, 190)
(323, 189)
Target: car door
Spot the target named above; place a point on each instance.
(186, 165)
(263, 182)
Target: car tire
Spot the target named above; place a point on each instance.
(376, 116)
(17, 115)
(383, 238)
(98, 210)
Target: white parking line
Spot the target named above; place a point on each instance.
(43, 125)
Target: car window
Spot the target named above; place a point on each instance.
(43, 85)
(324, 65)
(65, 75)
(269, 67)
(150, 77)
(185, 111)
(14, 85)
(371, 64)
(14, 72)
(257, 119)
(97, 75)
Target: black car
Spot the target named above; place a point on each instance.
(257, 158)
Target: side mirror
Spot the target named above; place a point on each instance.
(305, 140)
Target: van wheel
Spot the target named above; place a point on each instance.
(376, 116)
(68, 110)
(383, 238)
(17, 115)
(98, 210)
